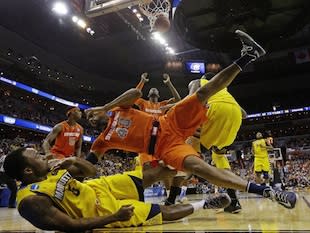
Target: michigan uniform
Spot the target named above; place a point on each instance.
(224, 119)
(98, 197)
(261, 159)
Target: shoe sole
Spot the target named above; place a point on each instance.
(241, 33)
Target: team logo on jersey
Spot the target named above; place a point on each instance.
(124, 122)
(122, 132)
(34, 187)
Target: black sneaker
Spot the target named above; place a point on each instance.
(219, 201)
(249, 46)
(234, 207)
(287, 199)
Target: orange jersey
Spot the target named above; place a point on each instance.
(128, 129)
(151, 108)
(66, 140)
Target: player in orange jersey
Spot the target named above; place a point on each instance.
(67, 136)
(155, 107)
(132, 130)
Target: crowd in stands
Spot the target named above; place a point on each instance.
(113, 163)
(34, 108)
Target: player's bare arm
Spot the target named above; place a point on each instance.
(77, 167)
(126, 99)
(50, 138)
(41, 212)
(266, 147)
(143, 80)
(173, 90)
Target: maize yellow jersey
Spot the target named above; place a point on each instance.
(75, 198)
(260, 152)
(221, 96)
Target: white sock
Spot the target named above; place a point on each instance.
(183, 191)
(198, 205)
(168, 192)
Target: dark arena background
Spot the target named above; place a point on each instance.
(62, 54)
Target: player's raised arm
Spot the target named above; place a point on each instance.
(126, 99)
(50, 138)
(143, 80)
(174, 92)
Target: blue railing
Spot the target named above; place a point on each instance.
(33, 126)
(83, 106)
(42, 93)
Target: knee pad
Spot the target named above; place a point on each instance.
(91, 157)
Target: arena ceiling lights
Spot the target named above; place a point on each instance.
(156, 36)
(61, 9)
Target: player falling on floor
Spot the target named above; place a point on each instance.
(52, 199)
(68, 136)
(260, 149)
(132, 130)
(224, 117)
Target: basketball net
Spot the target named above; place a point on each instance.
(154, 9)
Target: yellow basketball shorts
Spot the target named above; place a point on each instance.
(222, 125)
(220, 161)
(125, 189)
(261, 164)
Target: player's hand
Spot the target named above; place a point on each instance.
(144, 77)
(89, 112)
(63, 164)
(166, 78)
(124, 213)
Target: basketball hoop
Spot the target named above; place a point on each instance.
(154, 9)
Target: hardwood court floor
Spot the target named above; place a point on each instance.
(258, 214)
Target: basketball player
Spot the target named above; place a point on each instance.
(220, 130)
(52, 199)
(132, 130)
(154, 107)
(67, 135)
(261, 159)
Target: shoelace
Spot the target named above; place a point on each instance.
(281, 196)
(245, 49)
(213, 203)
